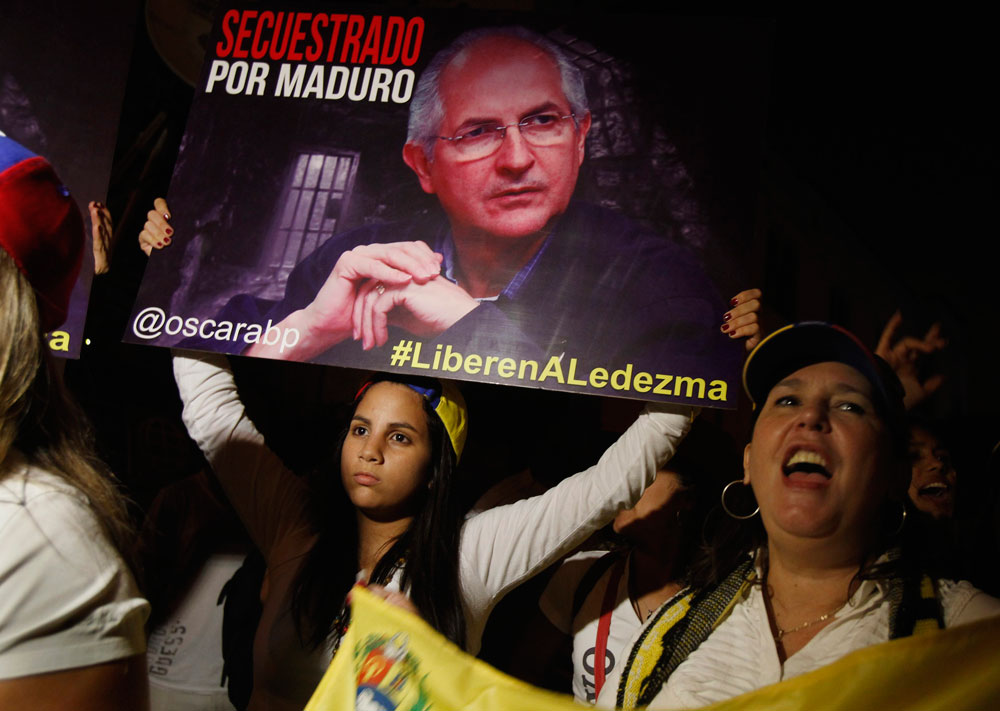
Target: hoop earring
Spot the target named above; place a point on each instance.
(727, 509)
(902, 521)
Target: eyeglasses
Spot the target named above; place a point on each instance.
(482, 140)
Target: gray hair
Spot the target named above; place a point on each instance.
(427, 109)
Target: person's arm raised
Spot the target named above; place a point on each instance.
(506, 545)
(270, 500)
(904, 357)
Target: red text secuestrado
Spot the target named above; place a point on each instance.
(328, 37)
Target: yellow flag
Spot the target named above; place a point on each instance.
(393, 660)
(390, 660)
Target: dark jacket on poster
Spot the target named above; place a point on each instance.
(602, 289)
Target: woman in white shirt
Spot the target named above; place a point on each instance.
(71, 619)
(819, 566)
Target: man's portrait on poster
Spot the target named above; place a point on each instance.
(503, 256)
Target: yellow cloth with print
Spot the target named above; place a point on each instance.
(390, 659)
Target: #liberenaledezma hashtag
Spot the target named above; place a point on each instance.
(445, 359)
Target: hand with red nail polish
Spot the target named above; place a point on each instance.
(742, 320)
(155, 232)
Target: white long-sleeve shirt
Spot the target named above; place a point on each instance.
(499, 549)
(740, 655)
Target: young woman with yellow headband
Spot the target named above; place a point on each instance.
(404, 527)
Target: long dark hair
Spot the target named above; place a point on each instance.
(429, 546)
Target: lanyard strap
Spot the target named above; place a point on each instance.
(604, 625)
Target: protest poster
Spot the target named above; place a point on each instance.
(583, 219)
(62, 79)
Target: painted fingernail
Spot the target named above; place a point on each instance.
(727, 316)
(725, 327)
(166, 215)
(169, 230)
(732, 334)
(733, 301)
(159, 244)
(166, 240)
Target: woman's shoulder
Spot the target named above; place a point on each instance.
(963, 603)
(68, 598)
(574, 577)
(51, 520)
(25, 486)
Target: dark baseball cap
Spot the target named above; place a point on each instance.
(802, 344)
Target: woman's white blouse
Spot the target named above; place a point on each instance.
(740, 655)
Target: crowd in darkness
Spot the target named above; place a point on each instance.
(834, 511)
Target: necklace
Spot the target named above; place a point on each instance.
(636, 599)
(822, 618)
(798, 628)
(638, 611)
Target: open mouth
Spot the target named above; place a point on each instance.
(937, 490)
(806, 465)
